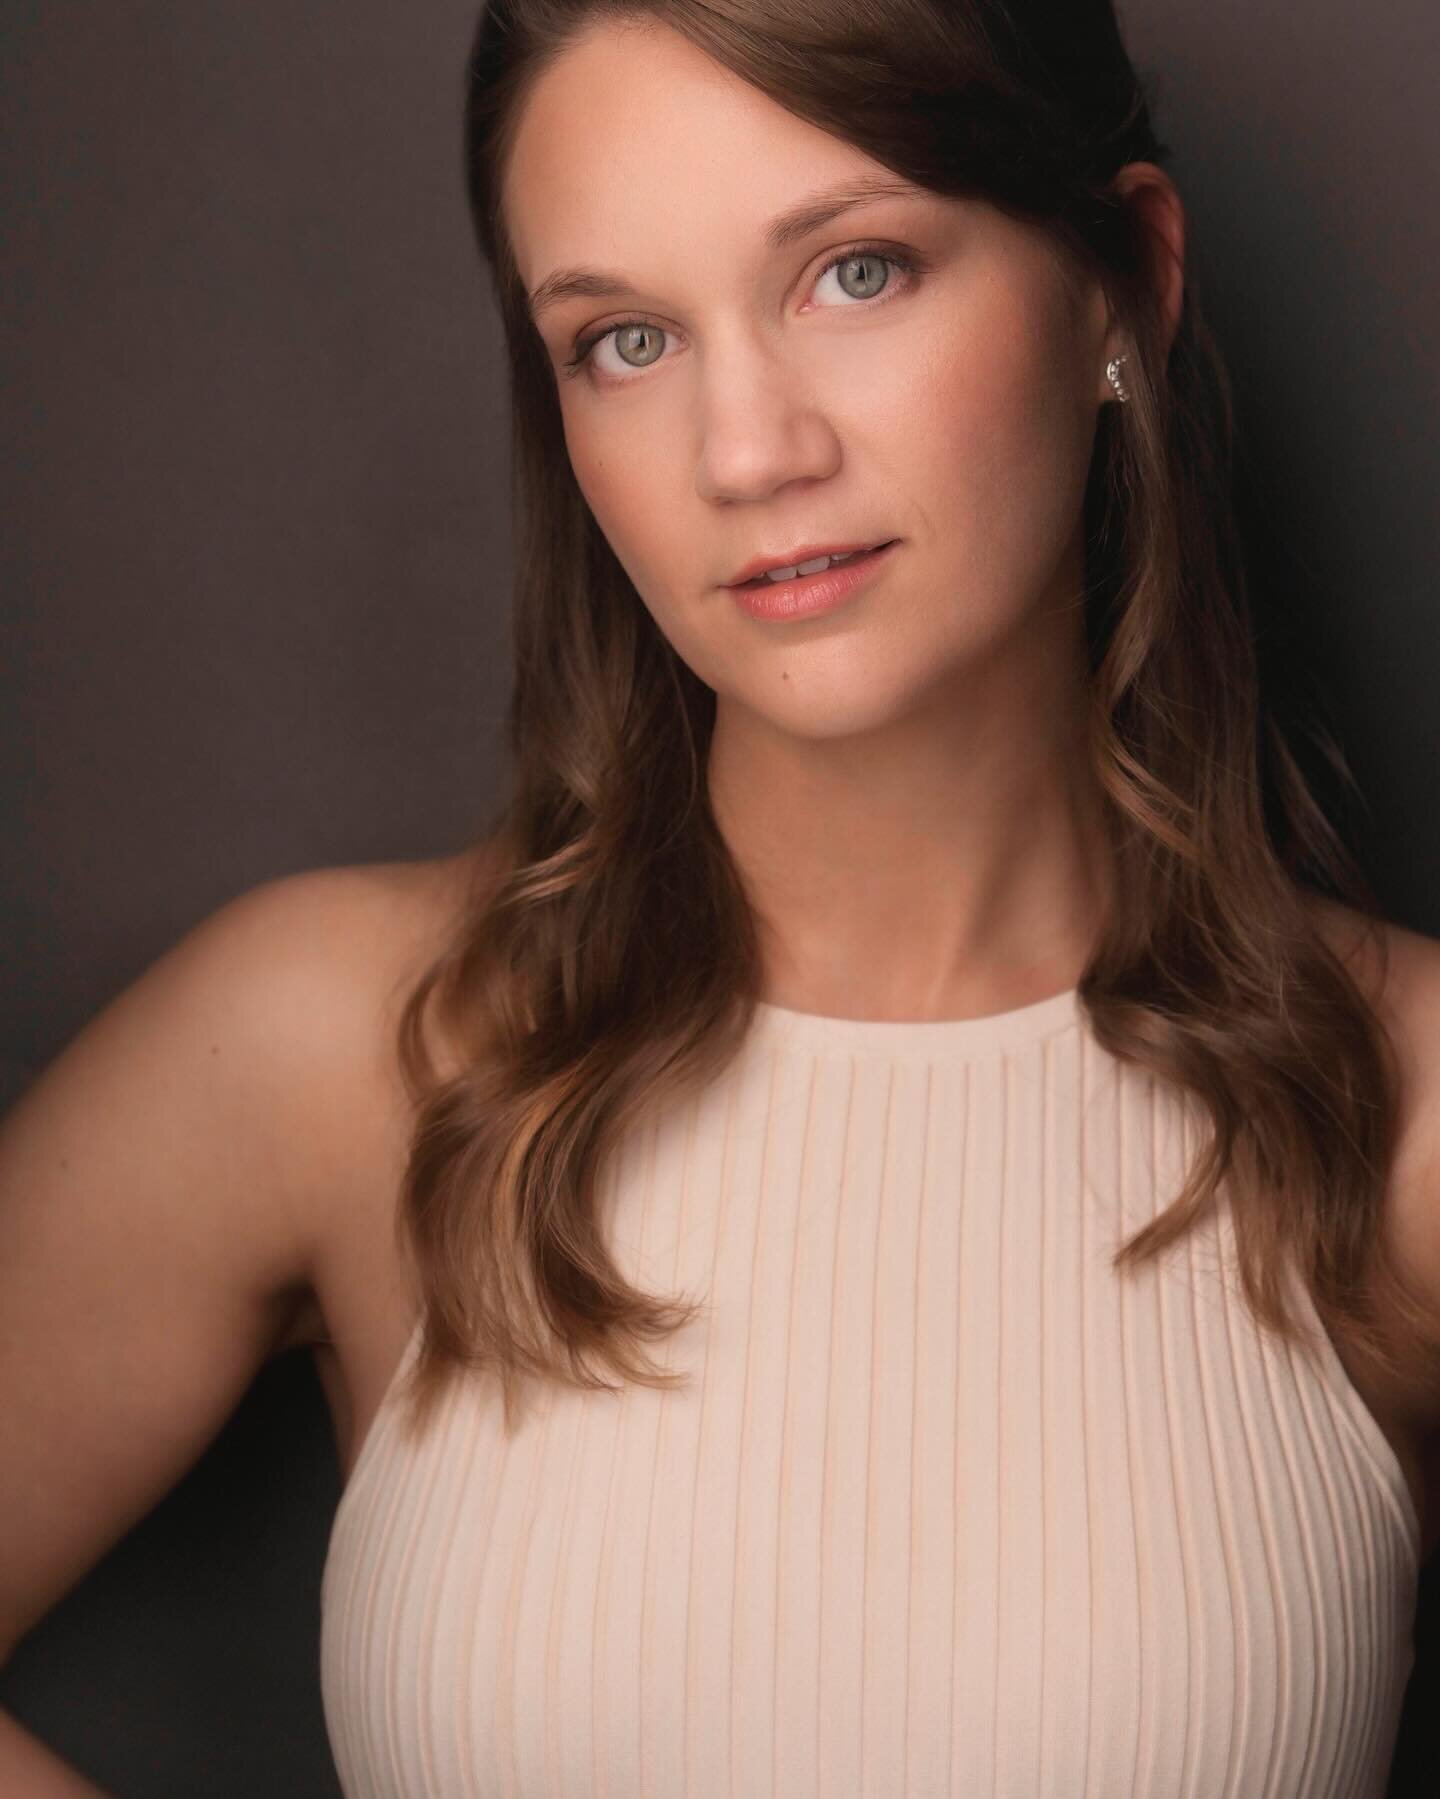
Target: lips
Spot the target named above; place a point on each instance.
(808, 596)
(758, 567)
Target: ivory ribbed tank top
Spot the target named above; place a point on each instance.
(947, 1507)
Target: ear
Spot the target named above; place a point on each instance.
(1146, 188)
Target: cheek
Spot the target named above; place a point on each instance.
(595, 472)
(617, 489)
(998, 440)
(651, 544)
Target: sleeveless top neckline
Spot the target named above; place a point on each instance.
(926, 1038)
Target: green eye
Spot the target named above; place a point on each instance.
(877, 257)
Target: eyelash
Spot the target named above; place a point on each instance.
(906, 261)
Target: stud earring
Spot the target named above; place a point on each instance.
(1122, 393)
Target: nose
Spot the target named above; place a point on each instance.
(761, 426)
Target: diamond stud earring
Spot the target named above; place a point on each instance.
(1122, 393)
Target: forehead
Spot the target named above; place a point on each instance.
(634, 139)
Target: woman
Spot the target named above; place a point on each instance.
(863, 961)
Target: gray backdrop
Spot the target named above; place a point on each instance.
(256, 559)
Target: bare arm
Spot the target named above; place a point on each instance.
(161, 1187)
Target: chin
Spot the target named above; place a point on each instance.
(823, 711)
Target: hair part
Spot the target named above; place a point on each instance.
(609, 959)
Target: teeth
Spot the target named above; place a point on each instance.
(808, 568)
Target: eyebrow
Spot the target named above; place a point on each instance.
(786, 228)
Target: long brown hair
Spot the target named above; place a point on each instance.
(608, 961)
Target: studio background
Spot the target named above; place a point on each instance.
(256, 560)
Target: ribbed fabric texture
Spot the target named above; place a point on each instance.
(947, 1507)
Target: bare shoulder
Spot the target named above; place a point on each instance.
(340, 947)
(232, 1040)
(1399, 970)
(338, 920)
(300, 977)
(331, 956)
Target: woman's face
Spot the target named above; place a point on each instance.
(782, 397)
